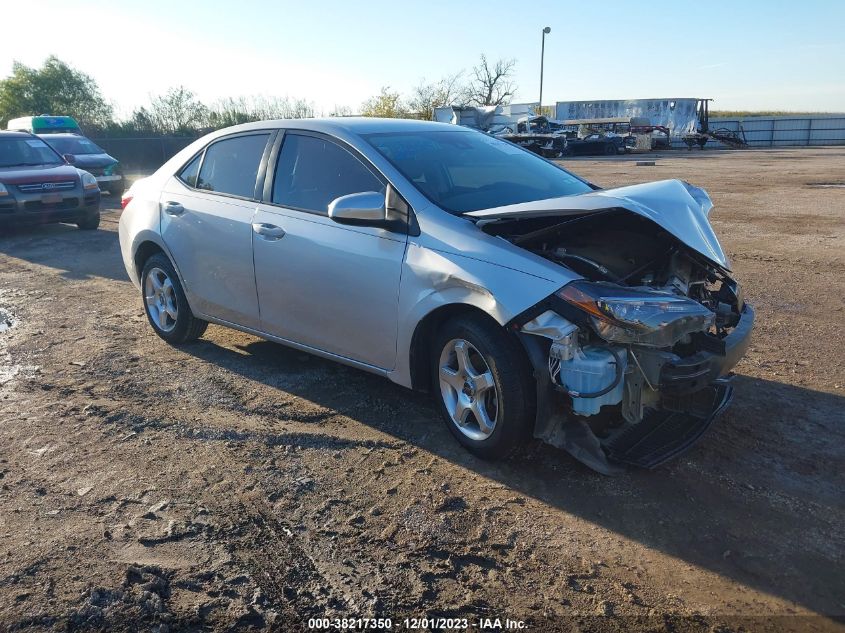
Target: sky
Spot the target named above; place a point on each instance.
(745, 54)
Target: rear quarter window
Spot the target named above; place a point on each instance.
(189, 173)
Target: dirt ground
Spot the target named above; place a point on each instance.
(235, 484)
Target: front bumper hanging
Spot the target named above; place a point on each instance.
(694, 393)
(662, 435)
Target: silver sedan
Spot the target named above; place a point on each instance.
(527, 300)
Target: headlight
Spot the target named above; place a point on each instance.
(3, 190)
(88, 181)
(640, 317)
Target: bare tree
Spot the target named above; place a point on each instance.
(178, 111)
(341, 110)
(141, 122)
(231, 111)
(299, 109)
(491, 85)
(386, 104)
(427, 96)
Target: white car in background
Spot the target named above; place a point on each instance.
(527, 300)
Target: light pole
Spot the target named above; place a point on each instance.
(542, 56)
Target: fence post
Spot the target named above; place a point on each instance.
(809, 131)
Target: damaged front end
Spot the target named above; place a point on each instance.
(632, 359)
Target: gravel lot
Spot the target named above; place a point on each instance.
(236, 484)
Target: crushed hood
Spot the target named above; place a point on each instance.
(84, 161)
(676, 206)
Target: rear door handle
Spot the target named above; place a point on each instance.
(268, 231)
(173, 208)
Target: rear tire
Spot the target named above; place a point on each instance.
(493, 381)
(165, 303)
(90, 222)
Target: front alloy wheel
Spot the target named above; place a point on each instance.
(483, 385)
(468, 389)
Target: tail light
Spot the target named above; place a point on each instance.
(125, 199)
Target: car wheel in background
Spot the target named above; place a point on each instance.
(90, 222)
(165, 303)
(482, 384)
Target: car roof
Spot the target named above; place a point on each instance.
(11, 134)
(350, 125)
(60, 135)
(345, 128)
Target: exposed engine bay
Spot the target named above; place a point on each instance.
(639, 348)
(621, 248)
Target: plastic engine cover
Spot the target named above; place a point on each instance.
(593, 369)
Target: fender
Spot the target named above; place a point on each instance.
(433, 279)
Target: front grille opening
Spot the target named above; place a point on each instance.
(47, 187)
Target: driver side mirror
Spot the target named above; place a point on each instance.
(359, 209)
(70, 159)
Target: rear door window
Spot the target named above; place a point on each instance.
(313, 171)
(231, 165)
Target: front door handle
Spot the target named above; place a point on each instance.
(268, 231)
(173, 208)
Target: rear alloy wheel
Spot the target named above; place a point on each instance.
(165, 303)
(160, 300)
(483, 386)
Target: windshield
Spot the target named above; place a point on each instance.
(16, 152)
(462, 170)
(74, 145)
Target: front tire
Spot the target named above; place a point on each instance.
(165, 303)
(483, 386)
(90, 222)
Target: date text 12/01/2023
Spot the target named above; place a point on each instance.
(444, 624)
